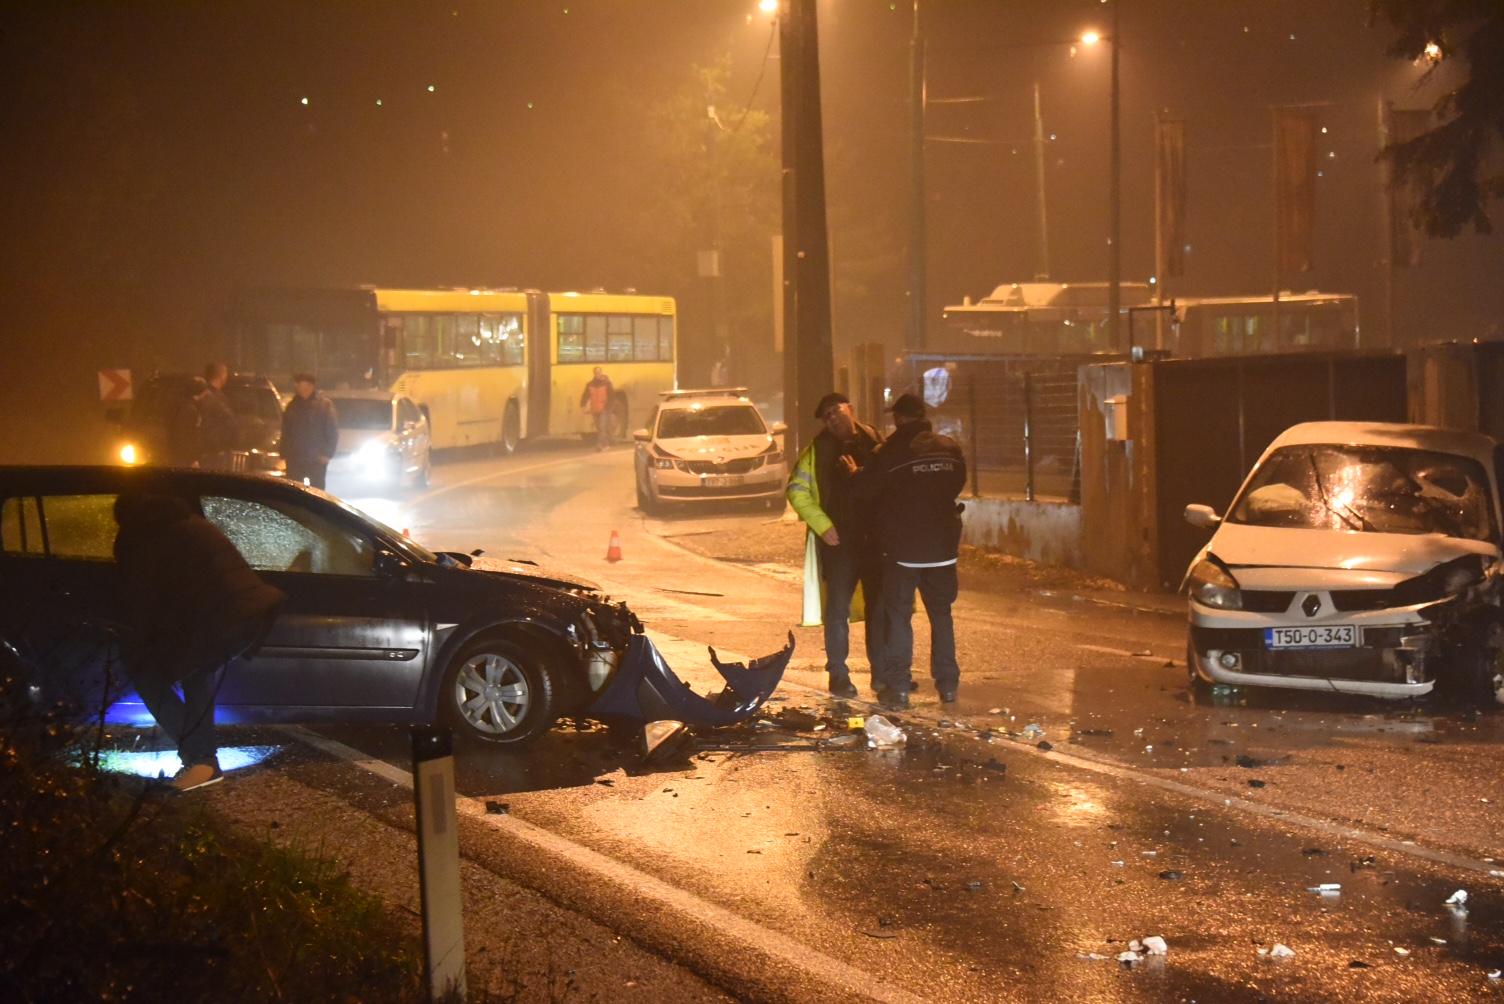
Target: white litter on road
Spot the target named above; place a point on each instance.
(1458, 898)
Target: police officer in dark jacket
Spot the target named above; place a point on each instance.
(191, 604)
(913, 480)
(310, 434)
(218, 431)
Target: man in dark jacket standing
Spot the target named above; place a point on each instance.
(310, 434)
(913, 480)
(191, 604)
(218, 431)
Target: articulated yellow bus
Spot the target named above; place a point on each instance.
(487, 365)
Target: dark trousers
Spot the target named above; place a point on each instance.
(937, 590)
(602, 430)
(311, 470)
(841, 568)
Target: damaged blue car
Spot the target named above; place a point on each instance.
(375, 628)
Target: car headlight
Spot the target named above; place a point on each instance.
(1442, 582)
(374, 453)
(660, 460)
(773, 454)
(129, 455)
(1214, 586)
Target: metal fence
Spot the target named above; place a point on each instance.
(1016, 418)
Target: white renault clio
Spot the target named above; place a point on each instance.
(1361, 558)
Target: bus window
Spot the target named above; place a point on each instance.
(666, 338)
(618, 338)
(571, 338)
(595, 339)
(645, 338)
(445, 334)
(467, 341)
(500, 340)
(417, 342)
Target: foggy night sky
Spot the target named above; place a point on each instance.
(159, 157)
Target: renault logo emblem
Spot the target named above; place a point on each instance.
(1311, 605)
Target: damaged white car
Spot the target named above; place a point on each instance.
(1360, 558)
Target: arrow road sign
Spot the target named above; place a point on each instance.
(114, 385)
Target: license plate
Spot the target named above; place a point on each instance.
(1331, 636)
(724, 480)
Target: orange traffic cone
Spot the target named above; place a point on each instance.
(613, 550)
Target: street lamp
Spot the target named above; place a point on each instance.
(1092, 37)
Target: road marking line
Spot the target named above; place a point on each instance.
(786, 950)
(435, 493)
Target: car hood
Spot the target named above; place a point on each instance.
(714, 447)
(1242, 546)
(513, 568)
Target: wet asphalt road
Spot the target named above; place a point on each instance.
(976, 863)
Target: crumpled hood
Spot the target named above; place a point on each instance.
(518, 570)
(714, 447)
(1240, 545)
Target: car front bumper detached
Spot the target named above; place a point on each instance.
(645, 690)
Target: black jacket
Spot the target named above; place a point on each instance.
(184, 586)
(913, 480)
(852, 519)
(218, 431)
(310, 434)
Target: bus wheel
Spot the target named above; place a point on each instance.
(616, 425)
(511, 429)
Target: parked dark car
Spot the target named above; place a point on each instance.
(375, 628)
(144, 427)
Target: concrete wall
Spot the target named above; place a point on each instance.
(1046, 532)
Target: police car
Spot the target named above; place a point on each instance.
(707, 445)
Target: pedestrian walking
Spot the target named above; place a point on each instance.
(596, 399)
(912, 480)
(839, 535)
(218, 431)
(191, 605)
(310, 434)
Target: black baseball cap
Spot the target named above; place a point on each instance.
(834, 397)
(908, 406)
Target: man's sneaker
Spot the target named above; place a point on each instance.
(948, 696)
(199, 775)
(841, 686)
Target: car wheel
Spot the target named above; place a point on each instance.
(511, 429)
(646, 503)
(425, 473)
(498, 694)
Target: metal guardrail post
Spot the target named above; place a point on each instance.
(438, 864)
(1028, 437)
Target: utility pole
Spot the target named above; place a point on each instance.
(808, 361)
(1042, 270)
(1115, 192)
(917, 98)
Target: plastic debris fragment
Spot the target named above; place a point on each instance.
(1458, 898)
(1326, 888)
(1033, 731)
(1278, 951)
(883, 734)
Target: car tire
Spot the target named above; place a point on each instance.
(425, 473)
(646, 503)
(511, 430)
(474, 695)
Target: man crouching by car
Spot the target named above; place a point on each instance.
(913, 478)
(191, 604)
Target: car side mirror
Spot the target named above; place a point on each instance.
(1203, 517)
(642, 436)
(390, 564)
(778, 428)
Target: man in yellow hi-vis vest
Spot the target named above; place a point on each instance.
(838, 539)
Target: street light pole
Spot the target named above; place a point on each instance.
(1114, 192)
(916, 184)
